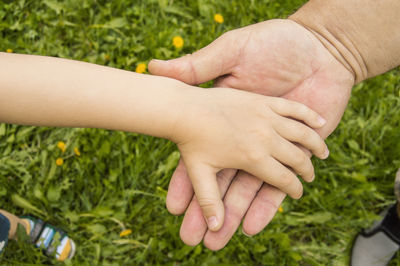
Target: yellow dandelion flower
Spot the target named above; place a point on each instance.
(126, 232)
(107, 57)
(9, 50)
(61, 145)
(178, 42)
(280, 209)
(77, 152)
(218, 18)
(59, 161)
(141, 68)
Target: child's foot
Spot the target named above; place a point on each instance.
(377, 245)
(4, 229)
(53, 241)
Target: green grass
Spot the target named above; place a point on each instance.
(121, 179)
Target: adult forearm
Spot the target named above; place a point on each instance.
(364, 35)
(46, 91)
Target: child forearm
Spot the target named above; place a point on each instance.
(214, 129)
(46, 91)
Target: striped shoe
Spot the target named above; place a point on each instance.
(52, 240)
(4, 230)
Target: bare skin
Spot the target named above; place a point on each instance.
(209, 126)
(277, 58)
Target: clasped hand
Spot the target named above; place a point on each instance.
(227, 128)
(277, 58)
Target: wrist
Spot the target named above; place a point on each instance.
(361, 34)
(313, 17)
(179, 116)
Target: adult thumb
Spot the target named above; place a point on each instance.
(204, 182)
(210, 62)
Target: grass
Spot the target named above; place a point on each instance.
(120, 179)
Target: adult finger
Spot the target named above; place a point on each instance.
(193, 225)
(262, 209)
(180, 190)
(214, 60)
(237, 200)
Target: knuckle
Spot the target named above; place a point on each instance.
(267, 135)
(255, 153)
(255, 156)
(302, 109)
(281, 104)
(248, 183)
(275, 101)
(235, 213)
(268, 202)
(183, 69)
(300, 160)
(285, 180)
(206, 203)
(305, 133)
(225, 176)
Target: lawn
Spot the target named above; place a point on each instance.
(119, 180)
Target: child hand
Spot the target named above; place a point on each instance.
(227, 128)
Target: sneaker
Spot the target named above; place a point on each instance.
(53, 241)
(377, 245)
(4, 230)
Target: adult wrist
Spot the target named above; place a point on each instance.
(363, 35)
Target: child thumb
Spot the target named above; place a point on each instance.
(204, 181)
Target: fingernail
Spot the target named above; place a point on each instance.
(321, 121)
(212, 222)
(326, 154)
(246, 234)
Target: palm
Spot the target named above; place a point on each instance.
(275, 58)
(280, 58)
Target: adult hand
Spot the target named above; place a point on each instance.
(276, 58)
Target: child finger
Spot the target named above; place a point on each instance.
(290, 155)
(297, 132)
(274, 173)
(193, 225)
(306, 152)
(237, 201)
(207, 192)
(297, 111)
